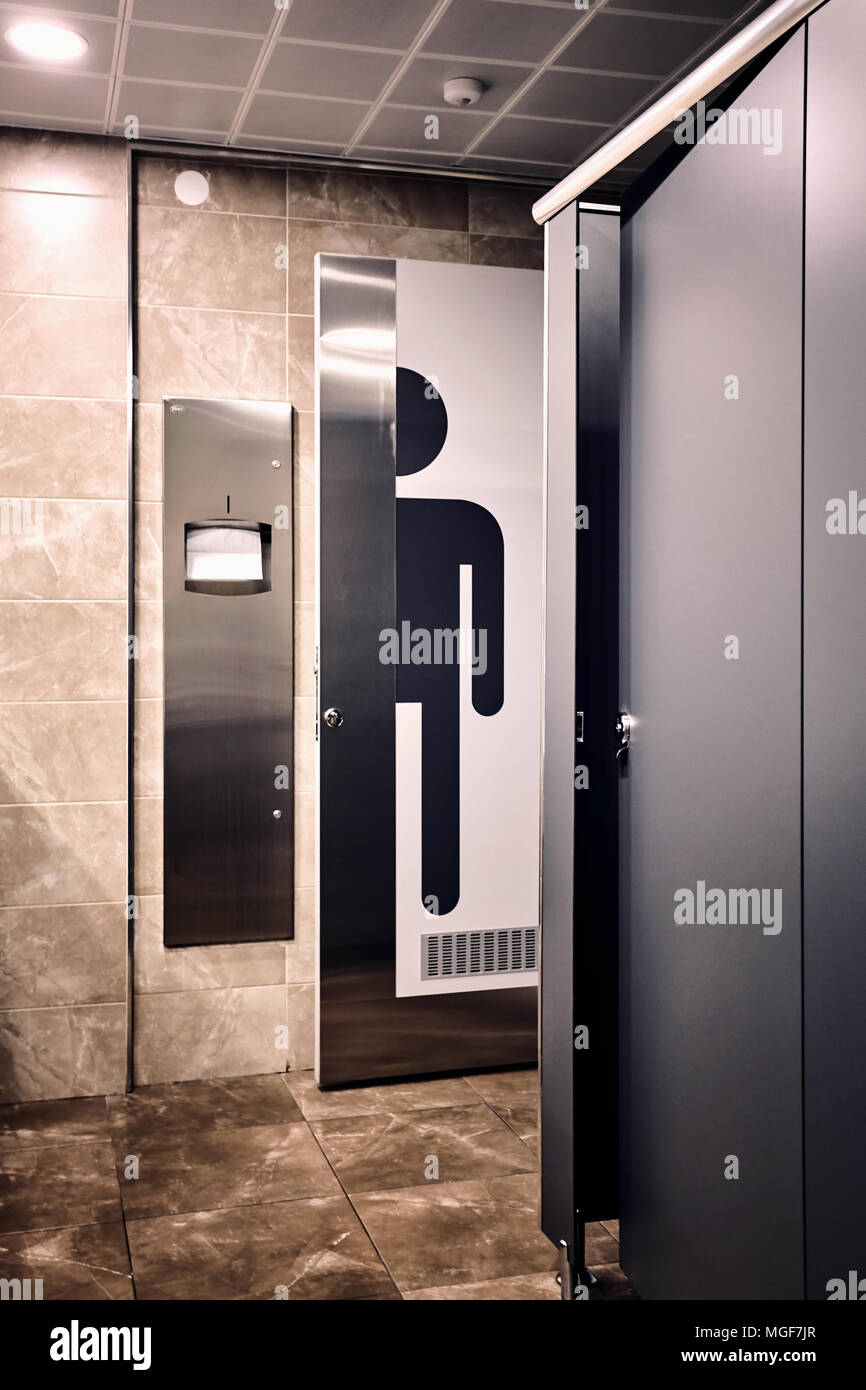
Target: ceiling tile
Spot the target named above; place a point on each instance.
(275, 142)
(384, 154)
(328, 72)
(160, 106)
(552, 142)
(54, 94)
(237, 16)
(623, 43)
(99, 34)
(550, 173)
(107, 8)
(496, 29)
(304, 118)
(403, 128)
(180, 56)
(722, 10)
(376, 23)
(642, 158)
(583, 96)
(422, 84)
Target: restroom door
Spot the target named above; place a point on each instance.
(712, 1196)
(403, 989)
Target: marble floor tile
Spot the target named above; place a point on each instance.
(60, 1185)
(45, 1123)
(372, 1153)
(458, 1233)
(516, 1288)
(612, 1284)
(210, 1169)
(77, 1262)
(601, 1247)
(508, 1089)
(177, 1109)
(514, 1095)
(313, 1249)
(386, 1099)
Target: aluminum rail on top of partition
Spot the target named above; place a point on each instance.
(728, 60)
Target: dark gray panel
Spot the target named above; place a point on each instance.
(228, 680)
(579, 978)
(711, 540)
(834, 737)
(596, 945)
(557, 898)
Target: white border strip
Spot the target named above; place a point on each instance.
(728, 60)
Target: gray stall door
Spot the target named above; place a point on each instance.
(710, 799)
(834, 733)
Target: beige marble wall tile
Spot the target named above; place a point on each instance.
(49, 242)
(62, 347)
(51, 956)
(62, 651)
(148, 845)
(331, 195)
(73, 853)
(520, 253)
(63, 752)
(148, 730)
(305, 649)
(50, 162)
(209, 1032)
(499, 210)
(159, 970)
(148, 451)
(305, 842)
(305, 744)
(148, 552)
(305, 458)
(232, 189)
(54, 448)
(150, 645)
(304, 538)
(301, 362)
(49, 1053)
(63, 550)
(300, 953)
(208, 261)
(402, 243)
(300, 1005)
(209, 352)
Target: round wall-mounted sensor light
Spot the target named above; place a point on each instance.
(191, 187)
(50, 43)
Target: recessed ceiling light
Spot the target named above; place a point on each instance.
(49, 42)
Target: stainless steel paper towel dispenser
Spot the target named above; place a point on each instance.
(228, 823)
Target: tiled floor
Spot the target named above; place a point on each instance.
(266, 1187)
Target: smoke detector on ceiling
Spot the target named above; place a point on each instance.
(463, 91)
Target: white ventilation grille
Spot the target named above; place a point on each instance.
(455, 954)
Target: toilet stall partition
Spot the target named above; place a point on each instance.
(429, 470)
(742, 792)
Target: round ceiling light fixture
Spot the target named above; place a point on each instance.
(50, 43)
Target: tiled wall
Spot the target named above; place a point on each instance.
(62, 616)
(218, 316)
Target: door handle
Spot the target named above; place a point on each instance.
(333, 718)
